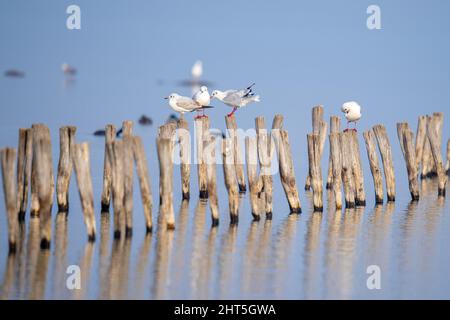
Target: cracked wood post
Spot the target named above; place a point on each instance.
(315, 171)
(24, 158)
(66, 144)
(439, 119)
(201, 128)
(230, 179)
(82, 164)
(265, 155)
(8, 158)
(34, 205)
(116, 159)
(110, 136)
(386, 156)
(336, 167)
(369, 138)
(238, 159)
(407, 146)
(447, 167)
(210, 157)
(127, 127)
(317, 124)
(287, 175)
(42, 156)
(255, 182)
(421, 136)
(347, 173)
(144, 181)
(335, 127)
(358, 175)
(165, 145)
(433, 136)
(184, 140)
(427, 157)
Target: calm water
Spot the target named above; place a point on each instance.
(300, 54)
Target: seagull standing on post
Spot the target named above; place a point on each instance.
(183, 104)
(236, 98)
(203, 99)
(352, 111)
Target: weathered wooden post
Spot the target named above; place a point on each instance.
(24, 159)
(447, 167)
(286, 167)
(34, 206)
(210, 157)
(144, 181)
(42, 155)
(347, 172)
(127, 127)
(320, 128)
(165, 150)
(184, 140)
(433, 136)
(8, 157)
(265, 154)
(255, 182)
(201, 129)
(315, 170)
(66, 143)
(405, 137)
(358, 175)
(369, 139)
(335, 127)
(116, 159)
(81, 160)
(110, 136)
(230, 179)
(336, 167)
(421, 136)
(238, 159)
(386, 157)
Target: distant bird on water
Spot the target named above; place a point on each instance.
(183, 104)
(202, 98)
(68, 69)
(236, 98)
(352, 111)
(13, 73)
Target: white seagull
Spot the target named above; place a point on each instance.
(197, 70)
(68, 69)
(202, 98)
(352, 111)
(183, 104)
(236, 98)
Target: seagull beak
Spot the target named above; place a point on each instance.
(166, 98)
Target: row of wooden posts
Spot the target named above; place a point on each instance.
(34, 169)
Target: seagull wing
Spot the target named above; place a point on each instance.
(187, 104)
(233, 98)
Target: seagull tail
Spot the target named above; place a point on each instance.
(256, 98)
(206, 107)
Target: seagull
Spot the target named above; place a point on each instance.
(183, 104)
(236, 98)
(68, 70)
(352, 111)
(197, 70)
(202, 98)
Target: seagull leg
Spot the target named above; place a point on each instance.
(345, 130)
(232, 112)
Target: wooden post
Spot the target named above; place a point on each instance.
(230, 179)
(386, 156)
(144, 181)
(127, 127)
(265, 154)
(42, 156)
(358, 175)
(34, 206)
(66, 142)
(315, 171)
(116, 159)
(201, 128)
(254, 180)
(110, 136)
(369, 138)
(411, 167)
(8, 157)
(319, 127)
(185, 157)
(238, 163)
(335, 127)
(447, 167)
(421, 136)
(433, 137)
(336, 167)
(24, 159)
(347, 173)
(165, 150)
(82, 165)
(210, 157)
(287, 175)
(439, 119)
